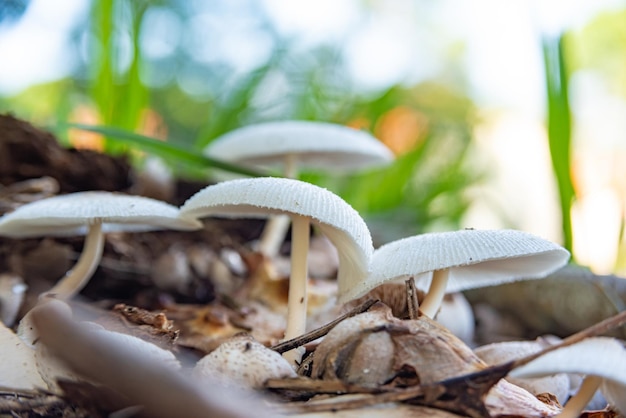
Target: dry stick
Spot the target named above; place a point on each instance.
(352, 403)
(411, 298)
(318, 386)
(8, 406)
(321, 331)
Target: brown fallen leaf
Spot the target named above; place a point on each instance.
(375, 348)
(162, 391)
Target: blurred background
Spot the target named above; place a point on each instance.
(501, 114)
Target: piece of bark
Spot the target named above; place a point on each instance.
(27, 152)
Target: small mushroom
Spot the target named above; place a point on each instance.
(305, 204)
(51, 369)
(601, 359)
(498, 353)
(93, 213)
(243, 362)
(160, 390)
(292, 146)
(455, 261)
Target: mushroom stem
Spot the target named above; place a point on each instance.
(276, 227)
(433, 299)
(291, 166)
(297, 299)
(577, 403)
(273, 235)
(79, 275)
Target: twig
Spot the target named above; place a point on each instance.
(317, 386)
(411, 298)
(28, 404)
(321, 331)
(354, 402)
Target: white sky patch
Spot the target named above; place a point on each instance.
(378, 54)
(503, 61)
(313, 21)
(34, 49)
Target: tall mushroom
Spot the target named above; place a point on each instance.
(459, 260)
(93, 214)
(305, 204)
(292, 146)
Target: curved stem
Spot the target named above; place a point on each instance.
(79, 275)
(577, 403)
(432, 301)
(297, 299)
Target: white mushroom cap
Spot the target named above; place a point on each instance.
(499, 353)
(243, 362)
(72, 213)
(601, 357)
(261, 197)
(316, 145)
(475, 258)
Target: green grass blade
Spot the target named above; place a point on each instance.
(559, 129)
(163, 149)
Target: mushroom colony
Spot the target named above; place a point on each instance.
(436, 263)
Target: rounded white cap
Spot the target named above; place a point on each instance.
(476, 258)
(316, 145)
(265, 196)
(599, 356)
(70, 214)
(241, 361)
(498, 353)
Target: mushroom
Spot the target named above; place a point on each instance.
(601, 359)
(93, 213)
(143, 380)
(293, 145)
(454, 261)
(243, 362)
(501, 352)
(305, 204)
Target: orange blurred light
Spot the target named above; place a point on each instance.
(401, 129)
(80, 139)
(152, 124)
(359, 123)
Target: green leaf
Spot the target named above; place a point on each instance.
(559, 129)
(165, 150)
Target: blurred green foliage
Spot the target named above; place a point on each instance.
(601, 47)
(560, 128)
(424, 189)
(193, 100)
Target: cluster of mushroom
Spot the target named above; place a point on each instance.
(439, 262)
